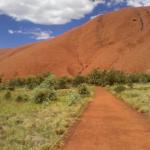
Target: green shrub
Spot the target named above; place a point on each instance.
(49, 82)
(52, 95)
(83, 90)
(2, 86)
(79, 80)
(143, 78)
(115, 77)
(7, 95)
(7, 86)
(34, 81)
(103, 78)
(129, 83)
(22, 97)
(44, 95)
(11, 87)
(119, 88)
(139, 77)
(73, 97)
(17, 82)
(1, 78)
(63, 83)
(95, 77)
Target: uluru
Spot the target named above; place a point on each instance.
(74, 74)
(117, 40)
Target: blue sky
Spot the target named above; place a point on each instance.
(29, 21)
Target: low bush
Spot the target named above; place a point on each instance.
(104, 77)
(31, 82)
(63, 83)
(2, 86)
(95, 77)
(73, 98)
(49, 82)
(22, 97)
(7, 95)
(112, 77)
(79, 80)
(11, 87)
(83, 90)
(44, 95)
(119, 88)
(1, 78)
(17, 82)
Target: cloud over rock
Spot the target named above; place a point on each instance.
(47, 11)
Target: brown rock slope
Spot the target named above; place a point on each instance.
(119, 40)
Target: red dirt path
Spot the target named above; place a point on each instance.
(109, 124)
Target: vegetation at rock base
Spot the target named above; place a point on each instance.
(37, 111)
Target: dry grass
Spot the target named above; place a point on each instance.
(138, 97)
(30, 126)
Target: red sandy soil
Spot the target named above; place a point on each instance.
(109, 124)
(118, 40)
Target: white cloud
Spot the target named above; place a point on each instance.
(137, 3)
(47, 11)
(36, 34)
(56, 11)
(134, 3)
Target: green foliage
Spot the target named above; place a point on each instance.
(32, 82)
(79, 80)
(103, 78)
(22, 97)
(11, 87)
(129, 82)
(2, 86)
(7, 95)
(139, 77)
(44, 95)
(49, 82)
(17, 82)
(7, 86)
(83, 90)
(1, 78)
(113, 77)
(73, 98)
(63, 83)
(96, 77)
(119, 88)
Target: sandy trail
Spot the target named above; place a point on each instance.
(109, 124)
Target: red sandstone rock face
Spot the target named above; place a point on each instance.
(118, 40)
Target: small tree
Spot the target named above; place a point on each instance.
(63, 83)
(79, 80)
(83, 90)
(22, 97)
(17, 82)
(49, 82)
(44, 95)
(120, 88)
(95, 77)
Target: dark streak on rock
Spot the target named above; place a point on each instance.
(141, 21)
